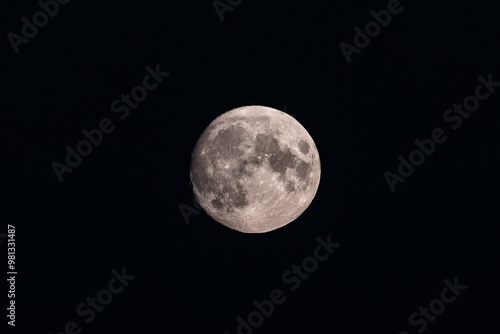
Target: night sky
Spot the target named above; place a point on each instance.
(424, 88)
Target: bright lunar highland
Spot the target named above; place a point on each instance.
(255, 169)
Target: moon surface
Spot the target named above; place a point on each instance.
(255, 169)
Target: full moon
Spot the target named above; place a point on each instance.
(255, 169)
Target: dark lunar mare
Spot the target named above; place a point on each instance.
(281, 159)
(228, 193)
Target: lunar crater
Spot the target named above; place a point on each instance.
(260, 169)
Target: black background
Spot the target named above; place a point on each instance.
(120, 207)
